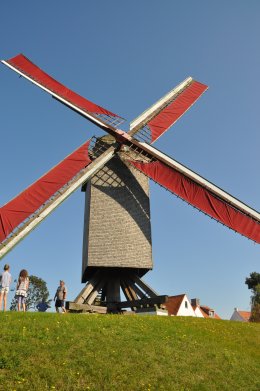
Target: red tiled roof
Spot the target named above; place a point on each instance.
(206, 308)
(173, 304)
(245, 314)
(205, 312)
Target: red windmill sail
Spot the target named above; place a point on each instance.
(31, 199)
(28, 69)
(155, 121)
(202, 198)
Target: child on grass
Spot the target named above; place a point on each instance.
(5, 285)
(21, 290)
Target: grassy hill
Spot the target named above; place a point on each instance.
(93, 352)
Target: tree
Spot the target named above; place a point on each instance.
(37, 292)
(253, 283)
(255, 313)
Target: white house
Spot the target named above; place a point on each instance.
(240, 316)
(179, 306)
(203, 311)
(198, 312)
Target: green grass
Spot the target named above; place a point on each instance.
(95, 352)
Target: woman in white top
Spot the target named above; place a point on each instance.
(21, 289)
(5, 285)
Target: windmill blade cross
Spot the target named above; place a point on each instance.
(164, 170)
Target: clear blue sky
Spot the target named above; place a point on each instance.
(125, 56)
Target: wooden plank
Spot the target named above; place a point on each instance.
(70, 305)
(143, 302)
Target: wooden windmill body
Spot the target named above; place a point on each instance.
(117, 247)
(117, 207)
(113, 171)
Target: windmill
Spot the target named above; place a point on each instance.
(113, 171)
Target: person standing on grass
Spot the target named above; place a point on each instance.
(60, 297)
(5, 285)
(21, 290)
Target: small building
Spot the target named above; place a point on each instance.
(209, 312)
(195, 303)
(240, 316)
(179, 306)
(203, 311)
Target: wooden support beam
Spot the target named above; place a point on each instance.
(137, 290)
(144, 286)
(91, 298)
(71, 306)
(109, 282)
(127, 294)
(143, 302)
(113, 290)
(126, 291)
(131, 290)
(88, 288)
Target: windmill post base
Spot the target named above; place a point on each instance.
(101, 294)
(71, 306)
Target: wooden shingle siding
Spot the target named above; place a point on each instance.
(117, 229)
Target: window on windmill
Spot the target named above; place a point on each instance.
(186, 304)
(211, 314)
